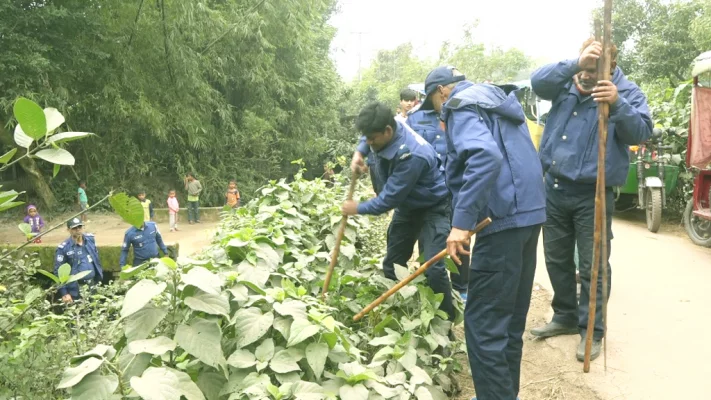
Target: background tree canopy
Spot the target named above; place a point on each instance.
(222, 88)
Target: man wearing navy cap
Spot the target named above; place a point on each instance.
(145, 241)
(492, 170)
(414, 187)
(80, 252)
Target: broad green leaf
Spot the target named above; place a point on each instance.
(240, 293)
(78, 276)
(401, 272)
(54, 118)
(252, 274)
(273, 391)
(56, 156)
(451, 266)
(55, 170)
(49, 275)
(74, 375)
(382, 356)
(187, 387)
(99, 351)
(156, 346)
(142, 323)
(157, 384)
(31, 117)
(348, 250)
(203, 279)
(202, 339)
(255, 385)
(291, 308)
(251, 325)
(25, 228)
(95, 387)
(267, 253)
(383, 390)
(241, 359)
(388, 340)
(398, 378)
(33, 295)
(316, 355)
(307, 391)
(63, 272)
(331, 338)
(265, 351)
(133, 364)
(434, 392)
(139, 295)
(407, 292)
(283, 326)
(421, 393)
(21, 139)
(357, 392)
(10, 204)
(409, 359)
(237, 242)
(68, 137)
(233, 385)
(209, 303)
(419, 376)
(211, 383)
(286, 361)
(5, 158)
(128, 272)
(128, 208)
(301, 329)
(408, 325)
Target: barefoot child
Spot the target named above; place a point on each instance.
(173, 209)
(35, 220)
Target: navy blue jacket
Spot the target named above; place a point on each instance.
(80, 258)
(145, 243)
(427, 124)
(569, 144)
(410, 168)
(492, 166)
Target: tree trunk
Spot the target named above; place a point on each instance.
(39, 184)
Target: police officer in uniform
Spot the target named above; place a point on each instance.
(80, 252)
(145, 241)
(413, 186)
(428, 125)
(492, 171)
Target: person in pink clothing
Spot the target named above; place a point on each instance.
(173, 209)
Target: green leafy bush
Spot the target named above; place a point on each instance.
(245, 319)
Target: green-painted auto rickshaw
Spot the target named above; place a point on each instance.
(650, 179)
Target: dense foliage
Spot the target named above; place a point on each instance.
(221, 88)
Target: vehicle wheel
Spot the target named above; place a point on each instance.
(653, 206)
(699, 230)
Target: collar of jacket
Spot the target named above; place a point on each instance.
(390, 151)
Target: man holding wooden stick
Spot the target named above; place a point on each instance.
(492, 171)
(414, 187)
(569, 156)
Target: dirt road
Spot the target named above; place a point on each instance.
(658, 328)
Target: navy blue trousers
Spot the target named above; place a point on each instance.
(570, 219)
(431, 227)
(503, 265)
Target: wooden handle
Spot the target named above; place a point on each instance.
(600, 234)
(417, 273)
(339, 237)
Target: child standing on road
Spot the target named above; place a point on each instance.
(35, 221)
(173, 210)
(232, 194)
(82, 199)
(194, 189)
(148, 213)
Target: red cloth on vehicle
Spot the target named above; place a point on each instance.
(699, 152)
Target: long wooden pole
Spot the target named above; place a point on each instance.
(600, 236)
(415, 274)
(339, 237)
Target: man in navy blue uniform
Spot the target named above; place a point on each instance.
(145, 242)
(428, 125)
(80, 252)
(492, 171)
(413, 186)
(568, 153)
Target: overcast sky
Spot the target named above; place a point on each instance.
(550, 29)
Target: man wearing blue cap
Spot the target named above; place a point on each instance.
(414, 187)
(80, 252)
(492, 171)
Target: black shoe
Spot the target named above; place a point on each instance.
(554, 329)
(594, 350)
